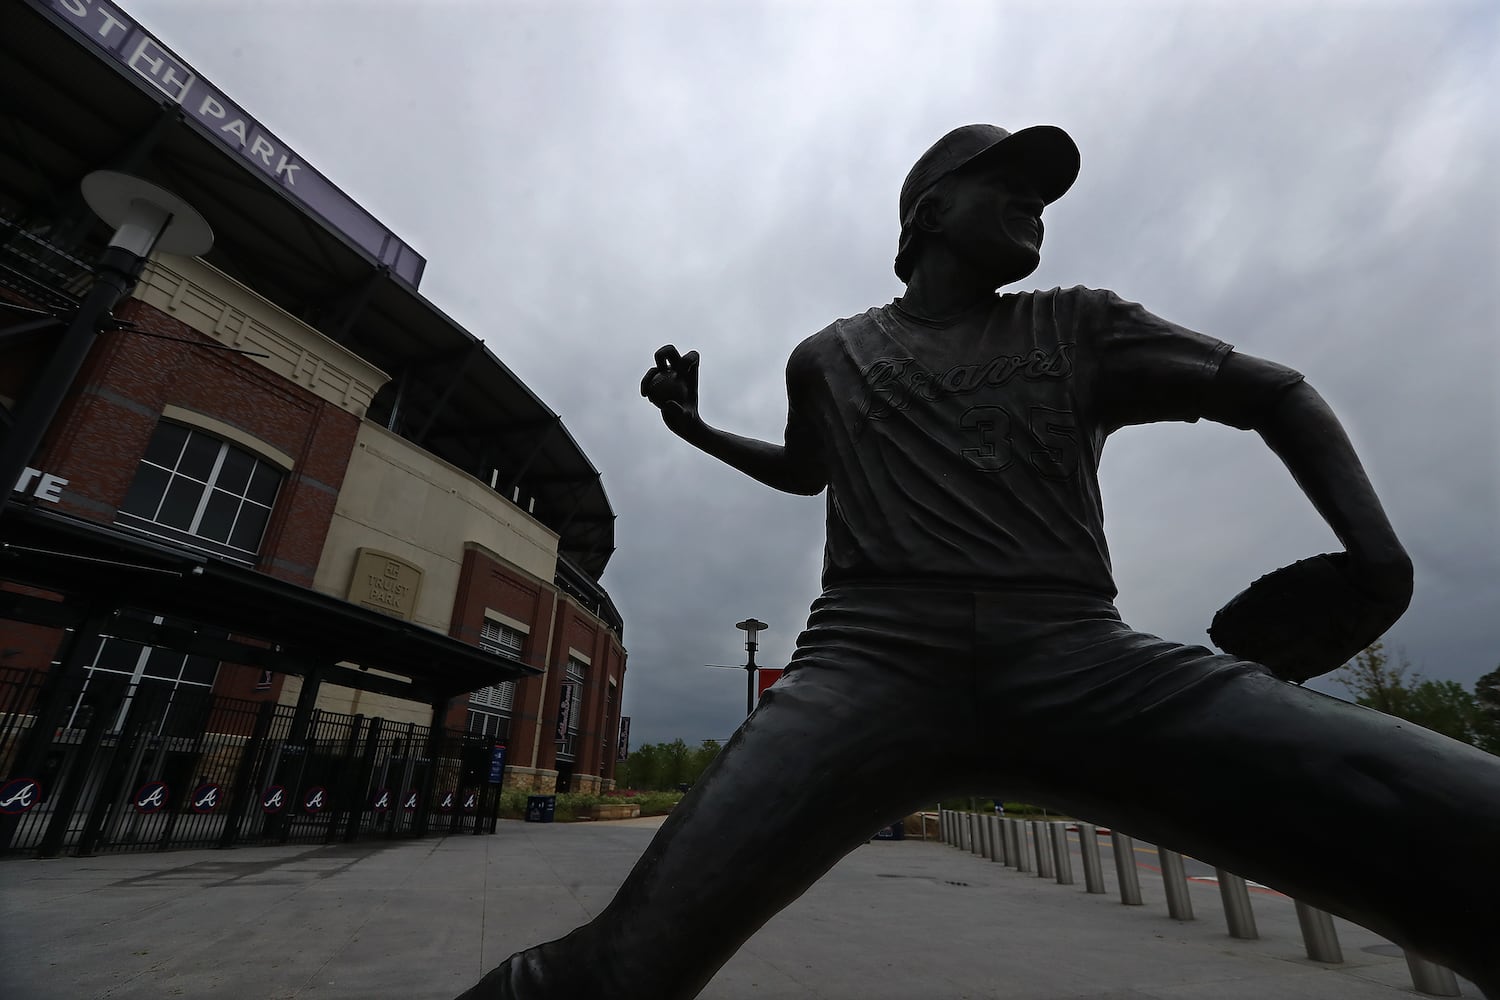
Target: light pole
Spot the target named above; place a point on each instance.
(146, 219)
(751, 627)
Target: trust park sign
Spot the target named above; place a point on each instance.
(115, 35)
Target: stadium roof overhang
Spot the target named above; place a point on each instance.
(225, 612)
(71, 109)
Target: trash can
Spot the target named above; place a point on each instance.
(540, 808)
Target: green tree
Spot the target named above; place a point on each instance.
(1376, 682)
(642, 769)
(1487, 694)
(699, 760)
(661, 767)
(1445, 707)
(1394, 688)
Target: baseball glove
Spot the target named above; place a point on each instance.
(1303, 620)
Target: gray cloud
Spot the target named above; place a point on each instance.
(592, 181)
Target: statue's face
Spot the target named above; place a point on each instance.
(993, 221)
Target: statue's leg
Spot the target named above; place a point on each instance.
(1350, 810)
(827, 758)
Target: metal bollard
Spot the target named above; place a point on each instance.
(942, 825)
(978, 821)
(1041, 842)
(1093, 868)
(1431, 978)
(1237, 911)
(1174, 880)
(1062, 857)
(1023, 847)
(997, 837)
(1130, 879)
(1318, 935)
(964, 832)
(987, 842)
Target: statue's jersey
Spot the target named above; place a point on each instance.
(969, 453)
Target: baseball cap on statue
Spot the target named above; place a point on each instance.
(1045, 153)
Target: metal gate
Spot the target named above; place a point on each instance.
(148, 767)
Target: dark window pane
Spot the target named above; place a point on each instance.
(199, 670)
(89, 648)
(164, 663)
(181, 503)
(234, 474)
(218, 516)
(118, 655)
(249, 528)
(263, 486)
(145, 493)
(166, 445)
(198, 457)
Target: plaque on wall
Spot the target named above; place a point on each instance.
(385, 583)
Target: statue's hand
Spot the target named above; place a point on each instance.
(672, 386)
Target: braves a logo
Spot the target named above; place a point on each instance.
(411, 801)
(205, 798)
(151, 797)
(471, 801)
(382, 801)
(447, 803)
(314, 799)
(273, 800)
(18, 795)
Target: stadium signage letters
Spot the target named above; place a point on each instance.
(113, 33)
(112, 30)
(42, 485)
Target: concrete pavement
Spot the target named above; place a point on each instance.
(424, 919)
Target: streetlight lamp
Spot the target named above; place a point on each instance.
(752, 627)
(146, 218)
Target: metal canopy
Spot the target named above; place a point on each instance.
(69, 112)
(232, 613)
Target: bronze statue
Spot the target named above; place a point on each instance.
(966, 619)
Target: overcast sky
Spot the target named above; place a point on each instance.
(591, 181)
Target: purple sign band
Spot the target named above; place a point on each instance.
(113, 34)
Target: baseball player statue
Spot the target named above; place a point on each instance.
(966, 618)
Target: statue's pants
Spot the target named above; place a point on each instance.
(898, 697)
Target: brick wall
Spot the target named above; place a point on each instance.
(104, 425)
(557, 625)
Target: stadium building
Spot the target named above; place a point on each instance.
(298, 557)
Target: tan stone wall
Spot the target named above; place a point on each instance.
(400, 500)
(526, 779)
(213, 303)
(337, 698)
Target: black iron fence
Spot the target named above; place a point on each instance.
(144, 766)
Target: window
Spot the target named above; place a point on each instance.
(490, 708)
(196, 490)
(567, 747)
(162, 674)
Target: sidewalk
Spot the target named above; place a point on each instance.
(424, 919)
